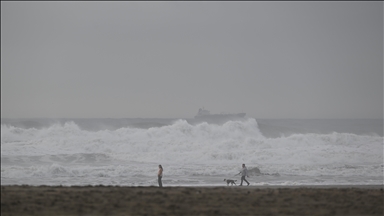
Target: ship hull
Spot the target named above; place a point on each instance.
(237, 115)
(204, 115)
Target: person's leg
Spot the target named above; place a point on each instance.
(242, 178)
(246, 180)
(159, 180)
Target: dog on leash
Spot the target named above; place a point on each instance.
(230, 181)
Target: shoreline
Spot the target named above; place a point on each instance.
(192, 200)
(211, 186)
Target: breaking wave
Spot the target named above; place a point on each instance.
(202, 149)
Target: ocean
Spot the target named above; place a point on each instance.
(127, 152)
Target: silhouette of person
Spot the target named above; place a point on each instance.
(160, 175)
(244, 172)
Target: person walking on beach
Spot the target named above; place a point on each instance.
(160, 175)
(244, 172)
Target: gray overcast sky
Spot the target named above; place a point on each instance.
(167, 59)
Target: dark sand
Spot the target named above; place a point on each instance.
(112, 200)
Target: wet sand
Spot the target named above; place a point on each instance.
(232, 200)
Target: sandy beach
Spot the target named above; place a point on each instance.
(231, 200)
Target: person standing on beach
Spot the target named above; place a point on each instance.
(160, 175)
(244, 172)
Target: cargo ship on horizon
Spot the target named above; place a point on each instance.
(204, 114)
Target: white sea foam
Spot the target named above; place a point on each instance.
(190, 154)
